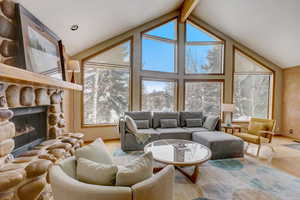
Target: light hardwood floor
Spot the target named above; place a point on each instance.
(285, 158)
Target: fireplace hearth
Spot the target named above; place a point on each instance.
(31, 127)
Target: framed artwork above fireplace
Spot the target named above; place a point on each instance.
(40, 50)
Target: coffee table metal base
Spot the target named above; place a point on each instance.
(193, 177)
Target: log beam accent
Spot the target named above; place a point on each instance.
(21, 76)
(187, 8)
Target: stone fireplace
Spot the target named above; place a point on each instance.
(31, 127)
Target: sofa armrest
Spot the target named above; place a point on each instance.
(160, 186)
(122, 131)
(66, 188)
(219, 125)
(122, 126)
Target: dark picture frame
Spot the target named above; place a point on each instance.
(39, 49)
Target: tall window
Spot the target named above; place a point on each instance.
(159, 95)
(205, 96)
(107, 85)
(252, 93)
(159, 48)
(204, 52)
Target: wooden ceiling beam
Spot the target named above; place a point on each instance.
(186, 9)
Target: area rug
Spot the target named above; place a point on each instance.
(237, 179)
(293, 146)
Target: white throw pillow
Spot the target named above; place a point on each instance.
(130, 124)
(138, 170)
(96, 173)
(68, 165)
(96, 151)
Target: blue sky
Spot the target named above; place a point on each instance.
(159, 56)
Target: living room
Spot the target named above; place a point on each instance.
(158, 100)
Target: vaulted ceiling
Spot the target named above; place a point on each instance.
(269, 27)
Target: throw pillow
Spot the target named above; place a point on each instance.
(68, 165)
(130, 124)
(142, 124)
(96, 151)
(211, 122)
(135, 172)
(96, 173)
(168, 123)
(194, 122)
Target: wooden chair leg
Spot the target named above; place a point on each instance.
(246, 149)
(272, 148)
(258, 150)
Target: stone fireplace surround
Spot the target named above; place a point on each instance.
(25, 177)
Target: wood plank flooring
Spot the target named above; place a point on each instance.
(285, 159)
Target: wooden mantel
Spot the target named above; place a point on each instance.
(17, 75)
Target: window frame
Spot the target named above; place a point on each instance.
(173, 80)
(222, 81)
(82, 66)
(161, 39)
(197, 43)
(271, 95)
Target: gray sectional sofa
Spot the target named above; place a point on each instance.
(222, 145)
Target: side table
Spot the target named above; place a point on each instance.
(231, 127)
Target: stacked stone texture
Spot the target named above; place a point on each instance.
(8, 33)
(25, 177)
(13, 95)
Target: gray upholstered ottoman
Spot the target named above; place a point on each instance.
(222, 145)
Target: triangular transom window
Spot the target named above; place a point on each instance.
(167, 30)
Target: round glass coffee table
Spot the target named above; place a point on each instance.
(180, 153)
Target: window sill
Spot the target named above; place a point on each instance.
(98, 125)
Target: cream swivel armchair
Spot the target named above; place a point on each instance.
(65, 186)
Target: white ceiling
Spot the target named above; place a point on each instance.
(98, 20)
(269, 27)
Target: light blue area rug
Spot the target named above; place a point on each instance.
(238, 179)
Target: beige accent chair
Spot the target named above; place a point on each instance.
(260, 132)
(65, 186)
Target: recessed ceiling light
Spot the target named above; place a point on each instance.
(74, 27)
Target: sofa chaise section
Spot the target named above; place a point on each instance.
(222, 145)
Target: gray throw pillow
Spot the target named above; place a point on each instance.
(194, 122)
(211, 122)
(142, 124)
(168, 123)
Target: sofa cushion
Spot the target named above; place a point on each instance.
(157, 116)
(174, 133)
(211, 122)
(194, 123)
(96, 151)
(96, 173)
(168, 123)
(142, 124)
(150, 131)
(130, 124)
(138, 170)
(196, 129)
(189, 115)
(141, 116)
